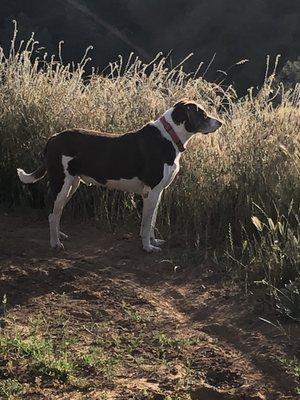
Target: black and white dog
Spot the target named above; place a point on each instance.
(143, 162)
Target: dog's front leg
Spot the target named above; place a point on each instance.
(149, 210)
(153, 240)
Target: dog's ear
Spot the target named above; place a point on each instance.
(192, 118)
(183, 113)
(179, 113)
(181, 102)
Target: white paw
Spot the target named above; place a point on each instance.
(151, 249)
(63, 236)
(57, 246)
(157, 242)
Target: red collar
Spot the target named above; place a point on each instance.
(172, 133)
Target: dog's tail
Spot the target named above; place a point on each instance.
(35, 176)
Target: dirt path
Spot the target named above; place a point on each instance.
(174, 330)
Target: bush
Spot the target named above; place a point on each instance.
(271, 258)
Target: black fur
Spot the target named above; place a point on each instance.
(140, 154)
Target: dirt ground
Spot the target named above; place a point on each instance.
(175, 331)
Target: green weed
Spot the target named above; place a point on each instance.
(293, 365)
(270, 257)
(10, 388)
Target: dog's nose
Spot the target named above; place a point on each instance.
(219, 123)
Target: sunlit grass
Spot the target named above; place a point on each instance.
(253, 159)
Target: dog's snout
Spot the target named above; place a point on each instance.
(216, 123)
(219, 123)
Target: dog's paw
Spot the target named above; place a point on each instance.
(63, 236)
(57, 246)
(151, 249)
(157, 242)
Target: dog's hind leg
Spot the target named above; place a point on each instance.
(74, 187)
(54, 217)
(61, 183)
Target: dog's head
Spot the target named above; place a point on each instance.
(194, 118)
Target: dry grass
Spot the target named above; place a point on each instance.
(255, 157)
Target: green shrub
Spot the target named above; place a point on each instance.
(10, 388)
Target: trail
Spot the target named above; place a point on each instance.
(100, 274)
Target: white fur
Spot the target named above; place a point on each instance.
(69, 187)
(26, 178)
(150, 208)
(133, 185)
(148, 219)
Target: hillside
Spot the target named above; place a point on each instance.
(231, 30)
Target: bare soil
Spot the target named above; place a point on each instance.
(175, 330)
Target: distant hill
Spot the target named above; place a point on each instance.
(233, 29)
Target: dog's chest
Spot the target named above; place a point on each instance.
(170, 172)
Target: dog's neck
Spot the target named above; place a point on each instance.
(180, 130)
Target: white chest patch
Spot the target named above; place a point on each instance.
(170, 171)
(169, 174)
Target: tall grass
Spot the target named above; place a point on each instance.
(254, 158)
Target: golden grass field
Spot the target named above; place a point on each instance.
(235, 203)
